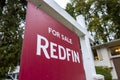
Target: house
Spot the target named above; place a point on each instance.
(108, 55)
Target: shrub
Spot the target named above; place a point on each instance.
(105, 71)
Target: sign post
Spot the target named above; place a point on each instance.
(50, 50)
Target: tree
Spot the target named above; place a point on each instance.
(102, 17)
(12, 16)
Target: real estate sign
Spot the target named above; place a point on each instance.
(50, 50)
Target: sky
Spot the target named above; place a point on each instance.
(62, 3)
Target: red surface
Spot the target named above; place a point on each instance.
(34, 67)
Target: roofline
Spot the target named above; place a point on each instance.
(112, 43)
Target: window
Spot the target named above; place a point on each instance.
(115, 51)
(95, 54)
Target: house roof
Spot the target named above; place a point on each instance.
(108, 44)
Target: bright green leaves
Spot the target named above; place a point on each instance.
(102, 17)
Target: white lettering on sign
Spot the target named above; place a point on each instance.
(59, 35)
(56, 51)
(53, 32)
(65, 38)
(43, 47)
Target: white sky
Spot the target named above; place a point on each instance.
(62, 3)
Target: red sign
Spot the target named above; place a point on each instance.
(50, 50)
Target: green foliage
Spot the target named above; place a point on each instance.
(12, 15)
(101, 16)
(70, 10)
(105, 71)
